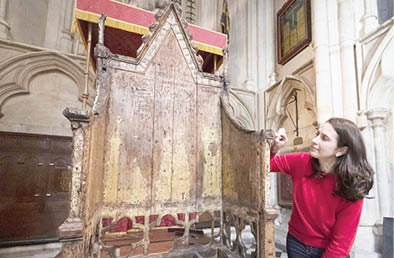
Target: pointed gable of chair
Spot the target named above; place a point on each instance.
(169, 30)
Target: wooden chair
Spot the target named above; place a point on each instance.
(160, 156)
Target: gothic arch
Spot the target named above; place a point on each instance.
(367, 84)
(240, 111)
(17, 72)
(280, 93)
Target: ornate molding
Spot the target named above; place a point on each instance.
(17, 72)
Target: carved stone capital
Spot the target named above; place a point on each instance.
(377, 116)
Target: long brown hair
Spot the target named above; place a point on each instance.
(354, 175)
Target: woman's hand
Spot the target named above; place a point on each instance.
(280, 140)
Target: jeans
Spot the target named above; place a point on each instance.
(296, 249)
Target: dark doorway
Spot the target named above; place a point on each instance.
(35, 178)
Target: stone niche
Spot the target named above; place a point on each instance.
(160, 168)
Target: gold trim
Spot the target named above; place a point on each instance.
(111, 22)
(118, 24)
(78, 25)
(208, 48)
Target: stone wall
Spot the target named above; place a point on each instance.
(36, 80)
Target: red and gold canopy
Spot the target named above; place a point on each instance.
(125, 26)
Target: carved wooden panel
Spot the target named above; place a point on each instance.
(34, 187)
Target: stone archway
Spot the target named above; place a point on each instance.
(17, 72)
(281, 113)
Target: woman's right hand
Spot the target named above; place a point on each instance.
(280, 140)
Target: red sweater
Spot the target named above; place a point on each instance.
(319, 218)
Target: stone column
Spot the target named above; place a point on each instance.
(367, 230)
(70, 232)
(335, 60)
(271, 47)
(377, 117)
(252, 45)
(4, 26)
(371, 206)
(53, 27)
(370, 18)
(347, 31)
(322, 60)
(266, 53)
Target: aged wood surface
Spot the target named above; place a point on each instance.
(162, 154)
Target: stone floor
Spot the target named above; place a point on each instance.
(31, 251)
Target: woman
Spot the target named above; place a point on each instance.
(329, 185)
